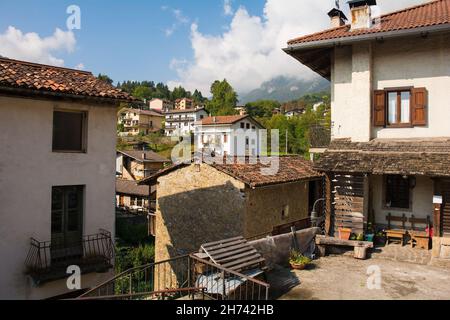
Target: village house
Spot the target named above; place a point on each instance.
(57, 178)
(184, 104)
(228, 136)
(200, 203)
(138, 121)
(241, 110)
(182, 122)
(294, 113)
(389, 158)
(161, 105)
(131, 167)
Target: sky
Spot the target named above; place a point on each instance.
(178, 42)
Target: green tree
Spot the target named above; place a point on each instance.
(105, 78)
(142, 92)
(261, 108)
(224, 99)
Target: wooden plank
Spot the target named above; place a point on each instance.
(243, 245)
(242, 260)
(323, 240)
(206, 245)
(230, 253)
(237, 256)
(224, 245)
(248, 264)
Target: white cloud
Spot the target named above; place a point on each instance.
(180, 19)
(227, 8)
(32, 47)
(248, 52)
(80, 66)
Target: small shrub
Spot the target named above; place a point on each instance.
(298, 258)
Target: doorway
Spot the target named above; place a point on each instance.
(66, 222)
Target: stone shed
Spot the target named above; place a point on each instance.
(200, 203)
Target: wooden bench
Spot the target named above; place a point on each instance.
(397, 233)
(420, 238)
(360, 247)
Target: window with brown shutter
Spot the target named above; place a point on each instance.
(400, 107)
(419, 106)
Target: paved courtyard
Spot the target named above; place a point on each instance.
(341, 277)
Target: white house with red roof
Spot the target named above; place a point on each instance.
(224, 136)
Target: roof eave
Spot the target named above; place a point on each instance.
(336, 42)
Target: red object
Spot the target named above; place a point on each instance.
(429, 231)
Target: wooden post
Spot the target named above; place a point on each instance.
(328, 203)
(437, 220)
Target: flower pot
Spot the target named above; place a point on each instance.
(369, 237)
(298, 266)
(344, 233)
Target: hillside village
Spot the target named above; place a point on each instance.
(163, 195)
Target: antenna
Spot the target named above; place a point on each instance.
(337, 4)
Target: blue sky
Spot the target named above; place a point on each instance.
(179, 42)
(127, 40)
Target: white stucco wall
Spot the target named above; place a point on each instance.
(418, 62)
(422, 200)
(29, 169)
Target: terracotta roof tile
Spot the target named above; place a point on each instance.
(428, 14)
(42, 78)
(131, 188)
(222, 120)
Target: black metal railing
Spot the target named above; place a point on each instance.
(184, 277)
(47, 260)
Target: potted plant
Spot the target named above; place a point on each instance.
(344, 233)
(370, 233)
(298, 261)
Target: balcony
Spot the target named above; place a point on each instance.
(47, 261)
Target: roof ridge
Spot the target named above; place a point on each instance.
(34, 64)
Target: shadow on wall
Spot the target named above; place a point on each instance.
(199, 216)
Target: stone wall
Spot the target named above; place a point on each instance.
(265, 206)
(196, 205)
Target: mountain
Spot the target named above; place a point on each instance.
(284, 89)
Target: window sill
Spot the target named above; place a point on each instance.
(67, 151)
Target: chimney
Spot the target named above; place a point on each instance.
(337, 17)
(214, 119)
(361, 13)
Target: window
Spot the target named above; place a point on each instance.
(69, 131)
(242, 125)
(400, 107)
(225, 138)
(248, 125)
(285, 212)
(397, 192)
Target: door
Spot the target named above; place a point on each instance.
(67, 215)
(445, 187)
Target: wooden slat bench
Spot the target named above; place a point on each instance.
(420, 238)
(397, 233)
(360, 247)
(235, 254)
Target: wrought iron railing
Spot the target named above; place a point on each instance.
(47, 260)
(180, 278)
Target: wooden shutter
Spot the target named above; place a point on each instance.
(379, 108)
(419, 106)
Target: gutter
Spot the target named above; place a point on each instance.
(336, 42)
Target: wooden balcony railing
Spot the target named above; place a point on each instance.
(47, 261)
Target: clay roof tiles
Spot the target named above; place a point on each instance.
(432, 13)
(40, 78)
